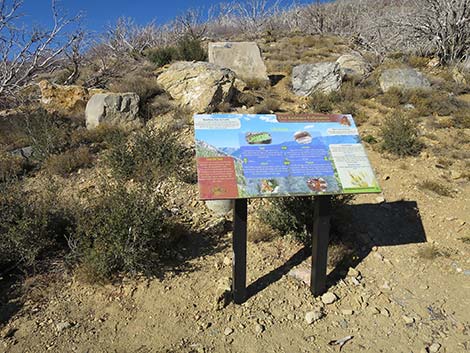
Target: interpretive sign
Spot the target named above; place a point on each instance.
(246, 156)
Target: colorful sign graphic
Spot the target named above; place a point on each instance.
(247, 156)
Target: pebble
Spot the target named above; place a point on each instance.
(380, 199)
(259, 329)
(408, 320)
(385, 312)
(227, 261)
(61, 326)
(352, 272)
(228, 331)
(347, 311)
(379, 256)
(328, 298)
(313, 316)
(434, 348)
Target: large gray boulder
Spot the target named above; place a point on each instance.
(403, 79)
(198, 86)
(319, 77)
(353, 65)
(244, 58)
(113, 108)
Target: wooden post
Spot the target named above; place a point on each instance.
(320, 235)
(239, 251)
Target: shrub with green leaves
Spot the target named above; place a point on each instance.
(122, 231)
(186, 49)
(400, 135)
(30, 225)
(148, 155)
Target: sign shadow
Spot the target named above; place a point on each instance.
(366, 226)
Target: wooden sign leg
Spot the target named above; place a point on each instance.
(239, 251)
(320, 235)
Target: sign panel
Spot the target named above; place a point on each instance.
(247, 156)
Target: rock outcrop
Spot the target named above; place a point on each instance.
(243, 58)
(198, 86)
(113, 108)
(319, 77)
(403, 79)
(353, 65)
(63, 99)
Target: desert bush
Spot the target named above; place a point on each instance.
(147, 155)
(187, 49)
(256, 84)
(190, 49)
(268, 106)
(69, 161)
(30, 226)
(437, 187)
(47, 133)
(293, 216)
(102, 134)
(162, 56)
(121, 231)
(321, 102)
(10, 166)
(400, 135)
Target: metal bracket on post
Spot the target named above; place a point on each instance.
(320, 236)
(240, 214)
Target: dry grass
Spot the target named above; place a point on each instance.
(431, 252)
(68, 162)
(268, 106)
(438, 188)
(10, 166)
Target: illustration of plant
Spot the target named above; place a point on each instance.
(359, 179)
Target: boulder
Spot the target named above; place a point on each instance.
(220, 207)
(199, 86)
(244, 58)
(63, 99)
(113, 108)
(403, 79)
(319, 77)
(352, 65)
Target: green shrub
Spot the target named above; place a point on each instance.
(10, 166)
(294, 215)
(102, 134)
(30, 226)
(321, 102)
(147, 156)
(69, 161)
(47, 134)
(162, 56)
(122, 231)
(186, 49)
(400, 135)
(191, 50)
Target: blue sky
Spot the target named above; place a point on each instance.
(99, 13)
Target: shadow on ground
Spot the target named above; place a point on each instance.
(360, 228)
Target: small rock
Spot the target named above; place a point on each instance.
(354, 281)
(61, 326)
(385, 312)
(352, 272)
(347, 312)
(408, 320)
(386, 177)
(380, 199)
(434, 348)
(291, 317)
(379, 256)
(259, 329)
(227, 261)
(228, 331)
(328, 298)
(313, 316)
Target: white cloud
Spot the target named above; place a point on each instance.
(309, 127)
(269, 118)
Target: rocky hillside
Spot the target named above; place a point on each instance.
(107, 248)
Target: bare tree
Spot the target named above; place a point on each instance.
(442, 24)
(27, 53)
(254, 15)
(191, 24)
